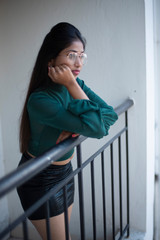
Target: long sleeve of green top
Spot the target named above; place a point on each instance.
(53, 110)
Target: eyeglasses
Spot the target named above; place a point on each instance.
(72, 56)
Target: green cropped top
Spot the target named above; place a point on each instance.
(53, 110)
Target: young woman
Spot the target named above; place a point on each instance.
(58, 105)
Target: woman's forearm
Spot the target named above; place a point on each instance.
(76, 91)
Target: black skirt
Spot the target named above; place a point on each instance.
(39, 185)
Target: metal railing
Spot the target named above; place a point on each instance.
(34, 166)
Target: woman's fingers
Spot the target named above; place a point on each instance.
(65, 67)
(64, 135)
(62, 75)
(75, 135)
(55, 74)
(51, 72)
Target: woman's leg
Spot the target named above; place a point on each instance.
(57, 226)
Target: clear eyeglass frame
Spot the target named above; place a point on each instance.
(72, 56)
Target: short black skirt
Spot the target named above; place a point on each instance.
(39, 185)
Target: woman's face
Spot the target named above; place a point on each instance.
(72, 56)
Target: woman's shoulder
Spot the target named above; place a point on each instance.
(39, 93)
(41, 96)
(41, 102)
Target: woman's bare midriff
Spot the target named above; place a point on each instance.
(64, 162)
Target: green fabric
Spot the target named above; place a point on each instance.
(53, 110)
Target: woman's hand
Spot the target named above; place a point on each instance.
(64, 135)
(61, 74)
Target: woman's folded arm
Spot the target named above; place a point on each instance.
(81, 116)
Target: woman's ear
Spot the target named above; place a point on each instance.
(51, 63)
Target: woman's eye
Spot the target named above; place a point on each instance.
(72, 56)
(82, 57)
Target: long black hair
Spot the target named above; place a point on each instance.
(60, 37)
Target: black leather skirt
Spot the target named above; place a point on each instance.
(43, 182)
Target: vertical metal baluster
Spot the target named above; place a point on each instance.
(66, 212)
(120, 186)
(112, 184)
(25, 229)
(47, 220)
(93, 200)
(127, 172)
(103, 196)
(81, 197)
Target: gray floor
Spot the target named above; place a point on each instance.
(14, 239)
(134, 235)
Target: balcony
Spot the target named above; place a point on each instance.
(109, 201)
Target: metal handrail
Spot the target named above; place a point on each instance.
(124, 106)
(29, 169)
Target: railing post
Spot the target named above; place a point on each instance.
(66, 212)
(127, 172)
(93, 200)
(48, 232)
(112, 184)
(81, 197)
(103, 195)
(25, 230)
(120, 186)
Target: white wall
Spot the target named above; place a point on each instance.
(150, 126)
(157, 109)
(115, 32)
(4, 216)
(157, 76)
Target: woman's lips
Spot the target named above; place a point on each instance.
(75, 72)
